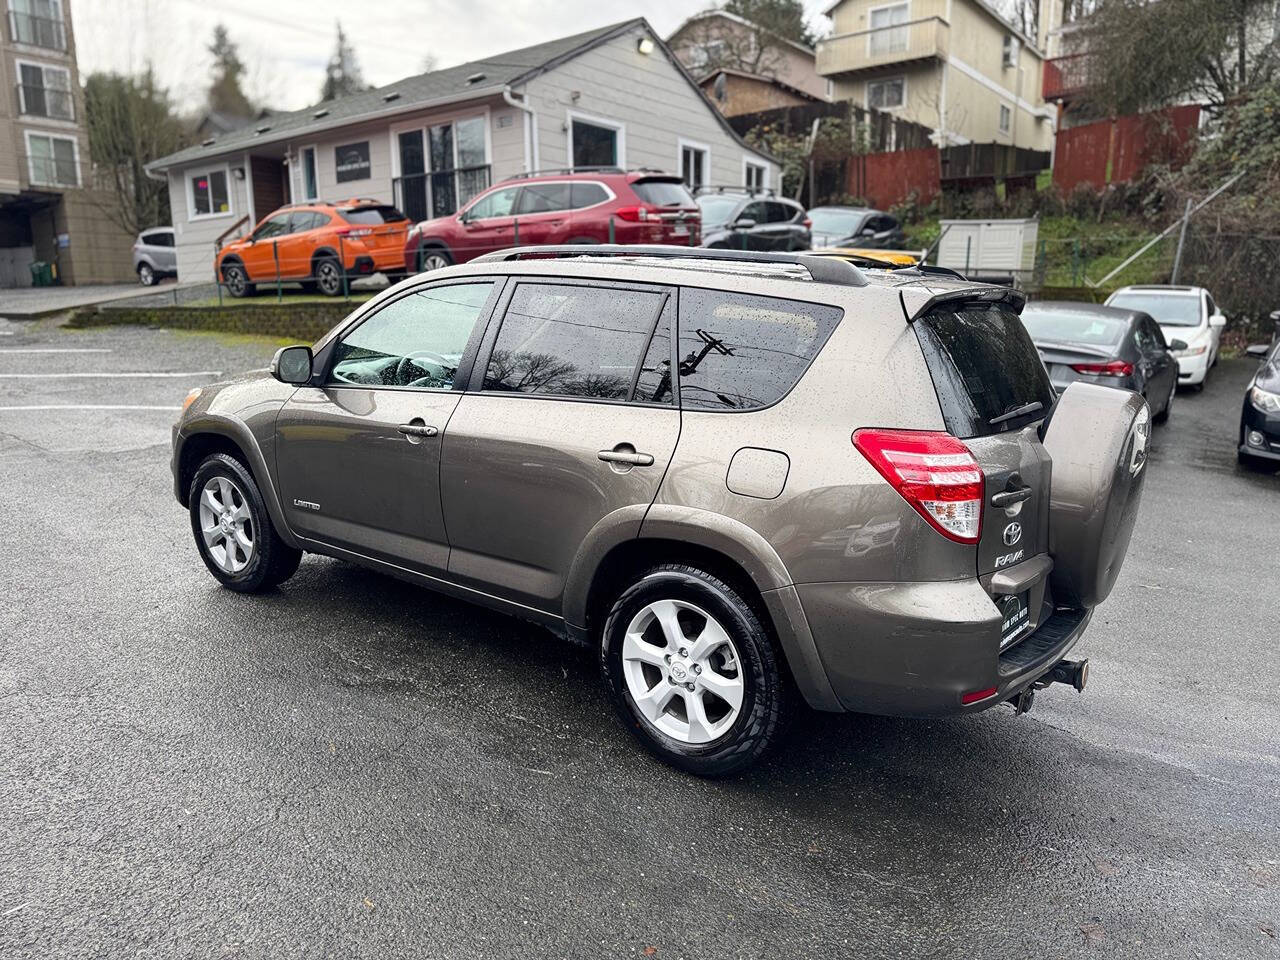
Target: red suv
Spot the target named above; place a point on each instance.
(559, 207)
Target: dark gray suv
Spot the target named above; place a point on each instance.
(745, 479)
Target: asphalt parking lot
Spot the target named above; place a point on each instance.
(352, 767)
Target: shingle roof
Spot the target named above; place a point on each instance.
(451, 83)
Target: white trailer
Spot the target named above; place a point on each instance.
(996, 249)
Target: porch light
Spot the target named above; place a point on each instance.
(645, 45)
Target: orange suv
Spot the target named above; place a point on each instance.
(318, 245)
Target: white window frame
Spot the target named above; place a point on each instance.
(424, 125)
(872, 31)
(1005, 114)
(60, 18)
(620, 158)
(302, 172)
(190, 174)
(31, 169)
(879, 80)
(681, 146)
(750, 161)
(18, 64)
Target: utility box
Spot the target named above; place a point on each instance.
(1000, 251)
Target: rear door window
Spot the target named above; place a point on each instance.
(580, 341)
(743, 353)
(983, 365)
(780, 212)
(543, 198)
(663, 193)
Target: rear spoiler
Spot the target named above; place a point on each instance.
(1010, 299)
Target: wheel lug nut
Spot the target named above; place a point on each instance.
(684, 652)
(696, 668)
(667, 658)
(689, 687)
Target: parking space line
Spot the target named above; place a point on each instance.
(85, 406)
(103, 376)
(54, 350)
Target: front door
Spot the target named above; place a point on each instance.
(359, 457)
(570, 421)
(488, 224)
(260, 255)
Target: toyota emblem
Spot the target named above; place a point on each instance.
(1012, 534)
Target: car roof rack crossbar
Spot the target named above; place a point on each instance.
(821, 269)
(705, 188)
(570, 171)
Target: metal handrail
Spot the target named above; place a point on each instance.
(892, 26)
(821, 269)
(217, 243)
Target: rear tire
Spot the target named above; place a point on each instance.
(233, 529)
(720, 699)
(328, 276)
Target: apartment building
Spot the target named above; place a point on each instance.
(954, 65)
(47, 211)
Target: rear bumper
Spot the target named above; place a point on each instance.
(915, 649)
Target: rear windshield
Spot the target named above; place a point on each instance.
(663, 193)
(373, 215)
(983, 365)
(1074, 326)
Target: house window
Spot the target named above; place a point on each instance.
(754, 175)
(694, 165)
(45, 91)
(594, 143)
(53, 160)
(310, 182)
(1006, 118)
(887, 94)
(209, 196)
(888, 35)
(37, 23)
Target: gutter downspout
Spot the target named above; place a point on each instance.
(530, 129)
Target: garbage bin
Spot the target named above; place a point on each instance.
(41, 274)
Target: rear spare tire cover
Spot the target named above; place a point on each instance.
(1098, 439)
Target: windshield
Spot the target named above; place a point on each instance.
(1168, 309)
(1074, 326)
(716, 209)
(840, 222)
(663, 193)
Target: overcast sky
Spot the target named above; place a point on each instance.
(286, 43)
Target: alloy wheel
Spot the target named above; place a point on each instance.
(226, 525)
(328, 278)
(146, 275)
(683, 671)
(235, 280)
(434, 261)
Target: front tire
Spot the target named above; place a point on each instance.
(233, 529)
(146, 275)
(433, 258)
(693, 673)
(237, 280)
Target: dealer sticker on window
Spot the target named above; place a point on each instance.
(1016, 618)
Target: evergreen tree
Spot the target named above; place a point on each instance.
(342, 76)
(225, 94)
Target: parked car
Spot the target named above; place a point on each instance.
(856, 227)
(320, 245)
(1260, 412)
(154, 256)
(1112, 346)
(1185, 313)
(691, 466)
(737, 218)
(557, 207)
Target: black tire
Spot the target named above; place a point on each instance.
(236, 279)
(767, 695)
(327, 272)
(147, 275)
(272, 561)
(433, 258)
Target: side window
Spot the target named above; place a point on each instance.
(277, 226)
(780, 212)
(575, 341)
(543, 198)
(1212, 307)
(757, 210)
(1142, 336)
(497, 204)
(303, 220)
(416, 341)
(739, 352)
(586, 195)
(163, 239)
(1155, 333)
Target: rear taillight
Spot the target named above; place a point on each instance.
(637, 213)
(934, 472)
(808, 224)
(355, 231)
(1112, 368)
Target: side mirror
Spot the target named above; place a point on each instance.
(867, 232)
(1217, 320)
(746, 223)
(1258, 350)
(292, 365)
(1275, 316)
(1177, 344)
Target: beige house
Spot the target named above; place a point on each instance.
(47, 212)
(736, 93)
(954, 65)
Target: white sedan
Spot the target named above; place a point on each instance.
(1183, 313)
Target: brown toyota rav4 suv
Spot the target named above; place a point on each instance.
(746, 479)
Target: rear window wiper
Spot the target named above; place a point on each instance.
(1016, 412)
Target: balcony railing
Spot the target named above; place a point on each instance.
(47, 32)
(1066, 77)
(924, 39)
(46, 102)
(422, 196)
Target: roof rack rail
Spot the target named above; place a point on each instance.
(569, 171)
(734, 188)
(821, 269)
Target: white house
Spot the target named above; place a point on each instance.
(612, 96)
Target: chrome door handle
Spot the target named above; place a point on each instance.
(627, 457)
(417, 430)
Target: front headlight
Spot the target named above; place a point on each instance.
(415, 230)
(1265, 401)
(1194, 351)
